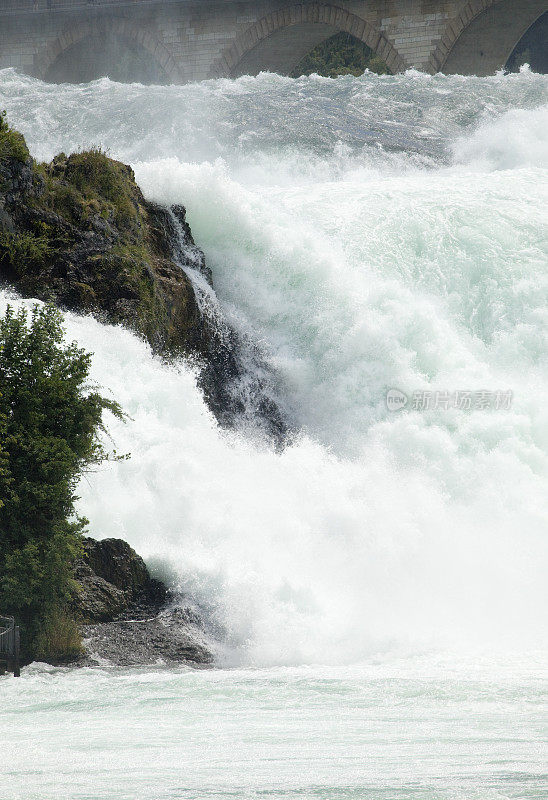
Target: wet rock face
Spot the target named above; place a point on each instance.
(79, 232)
(129, 618)
(171, 636)
(116, 562)
(111, 577)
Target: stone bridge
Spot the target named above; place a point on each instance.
(187, 40)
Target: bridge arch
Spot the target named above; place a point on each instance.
(140, 37)
(481, 39)
(279, 41)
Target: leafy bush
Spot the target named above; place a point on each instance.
(50, 420)
(12, 143)
(22, 251)
(341, 54)
(58, 637)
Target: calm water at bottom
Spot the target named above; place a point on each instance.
(407, 729)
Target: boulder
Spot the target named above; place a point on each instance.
(110, 577)
(128, 618)
(174, 635)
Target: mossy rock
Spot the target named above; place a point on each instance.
(12, 143)
(78, 231)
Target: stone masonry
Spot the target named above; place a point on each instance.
(198, 39)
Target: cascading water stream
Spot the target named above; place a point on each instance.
(367, 234)
(239, 386)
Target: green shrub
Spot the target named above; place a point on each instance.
(20, 252)
(341, 54)
(58, 638)
(50, 420)
(376, 64)
(12, 143)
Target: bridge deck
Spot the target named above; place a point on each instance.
(52, 6)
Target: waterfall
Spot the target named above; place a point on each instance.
(364, 235)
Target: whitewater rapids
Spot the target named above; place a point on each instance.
(370, 234)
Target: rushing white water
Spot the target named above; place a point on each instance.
(371, 233)
(415, 730)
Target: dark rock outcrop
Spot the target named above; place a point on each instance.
(173, 635)
(129, 618)
(79, 232)
(111, 577)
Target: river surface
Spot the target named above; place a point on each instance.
(380, 583)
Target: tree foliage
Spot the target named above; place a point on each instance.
(50, 421)
(341, 54)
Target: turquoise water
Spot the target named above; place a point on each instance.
(407, 729)
(372, 582)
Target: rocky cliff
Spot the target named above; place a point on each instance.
(127, 617)
(78, 232)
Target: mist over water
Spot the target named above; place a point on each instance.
(370, 234)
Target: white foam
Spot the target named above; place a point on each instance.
(360, 267)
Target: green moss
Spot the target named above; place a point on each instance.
(65, 200)
(91, 184)
(133, 273)
(103, 184)
(20, 252)
(124, 269)
(12, 143)
(40, 168)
